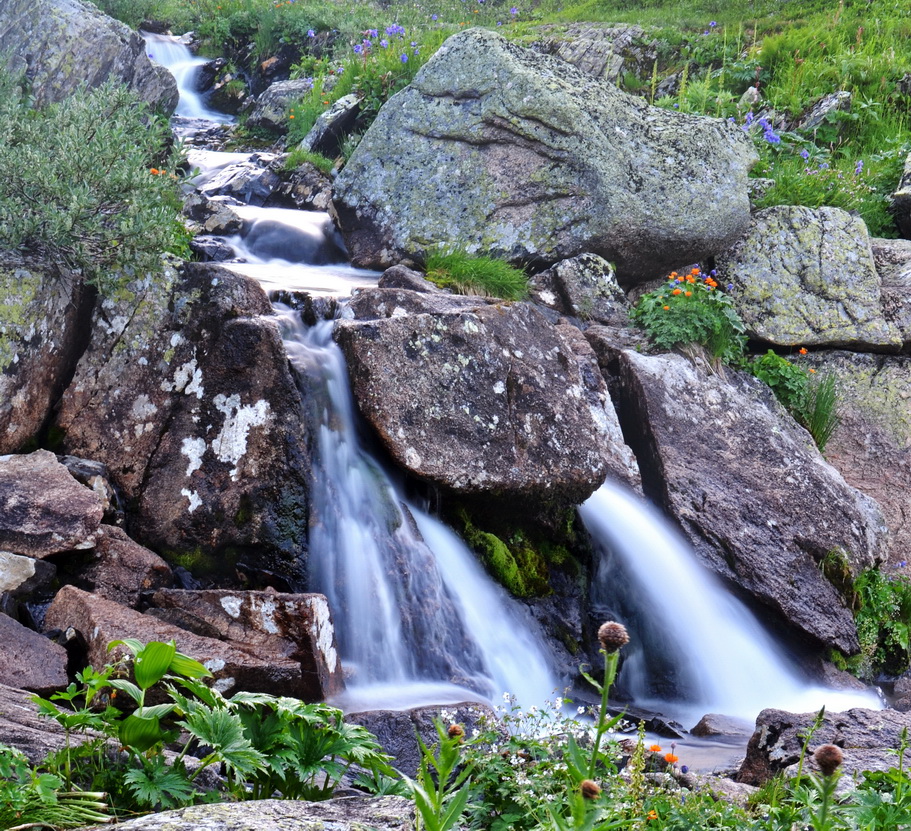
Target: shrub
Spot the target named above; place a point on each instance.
(83, 182)
(691, 309)
(468, 274)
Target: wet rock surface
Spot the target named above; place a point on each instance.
(804, 276)
(479, 148)
(62, 44)
(748, 488)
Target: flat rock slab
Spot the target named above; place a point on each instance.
(749, 489)
(43, 509)
(353, 813)
(21, 726)
(804, 276)
(483, 399)
(236, 666)
(522, 156)
(30, 661)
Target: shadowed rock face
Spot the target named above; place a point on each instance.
(523, 156)
(748, 488)
(62, 44)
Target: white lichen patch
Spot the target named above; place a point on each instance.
(143, 408)
(499, 387)
(231, 604)
(223, 685)
(548, 298)
(192, 498)
(193, 449)
(325, 634)
(230, 445)
(266, 610)
(412, 458)
(214, 664)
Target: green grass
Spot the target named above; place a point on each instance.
(298, 156)
(467, 274)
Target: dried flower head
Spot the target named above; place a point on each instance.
(612, 636)
(828, 757)
(590, 789)
(456, 731)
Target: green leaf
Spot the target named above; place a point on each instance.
(132, 644)
(188, 667)
(129, 688)
(139, 733)
(152, 662)
(224, 733)
(157, 785)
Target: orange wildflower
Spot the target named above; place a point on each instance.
(688, 293)
(670, 758)
(690, 278)
(666, 308)
(154, 171)
(812, 370)
(655, 748)
(694, 270)
(802, 350)
(653, 814)
(676, 291)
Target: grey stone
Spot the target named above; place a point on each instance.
(603, 51)
(21, 575)
(306, 187)
(901, 201)
(490, 399)
(521, 156)
(62, 44)
(869, 739)
(186, 395)
(273, 106)
(30, 661)
(21, 726)
(329, 131)
(827, 105)
(806, 276)
(352, 813)
(43, 509)
(583, 287)
(748, 488)
(718, 724)
(402, 277)
(893, 264)
(251, 181)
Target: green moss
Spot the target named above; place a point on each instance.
(204, 563)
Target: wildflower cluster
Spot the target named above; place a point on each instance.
(691, 309)
(754, 125)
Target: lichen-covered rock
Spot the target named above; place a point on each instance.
(901, 201)
(185, 394)
(249, 179)
(893, 264)
(43, 315)
(869, 738)
(827, 105)
(522, 156)
(806, 276)
(30, 661)
(602, 50)
(350, 813)
(256, 666)
(584, 287)
(482, 399)
(748, 488)
(331, 127)
(295, 626)
(43, 509)
(63, 44)
(871, 447)
(274, 105)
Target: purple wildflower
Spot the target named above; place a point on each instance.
(434, 17)
(805, 154)
(311, 33)
(358, 48)
(403, 58)
(384, 43)
(513, 11)
(858, 167)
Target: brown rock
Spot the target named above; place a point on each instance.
(121, 569)
(717, 724)
(21, 726)
(235, 665)
(30, 661)
(43, 510)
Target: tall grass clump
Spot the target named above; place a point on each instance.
(88, 182)
(467, 274)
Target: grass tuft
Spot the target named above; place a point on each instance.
(485, 276)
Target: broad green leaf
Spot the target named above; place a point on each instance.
(129, 688)
(153, 662)
(454, 810)
(188, 667)
(139, 733)
(132, 644)
(157, 710)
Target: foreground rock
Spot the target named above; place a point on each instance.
(353, 813)
(30, 661)
(21, 726)
(521, 155)
(869, 739)
(43, 509)
(748, 488)
(43, 316)
(480, 398)
(251, 662)
(63, 44)
(185, 394)
(806, 276)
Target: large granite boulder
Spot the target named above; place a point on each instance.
(748, 488)
(893, 264)
(185, 394)
(350, 813)
(869, 739)
(871, 447)
(480, 398)
(44, 312)
(807, 276)
(238, 661)
(522, 156)
(64, 44)
(43, 509)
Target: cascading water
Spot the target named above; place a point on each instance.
(410, 602)
(687, 624)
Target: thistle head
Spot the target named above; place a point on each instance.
(612, 636)
(829, 757)
(590, 789)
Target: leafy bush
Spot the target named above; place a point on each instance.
(788, 381)
(81, 182)
(468, 274)
(691, 309)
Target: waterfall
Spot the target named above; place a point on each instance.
(689, 631)
(184, 66)
(412, 607)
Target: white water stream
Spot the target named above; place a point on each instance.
(418, 620)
